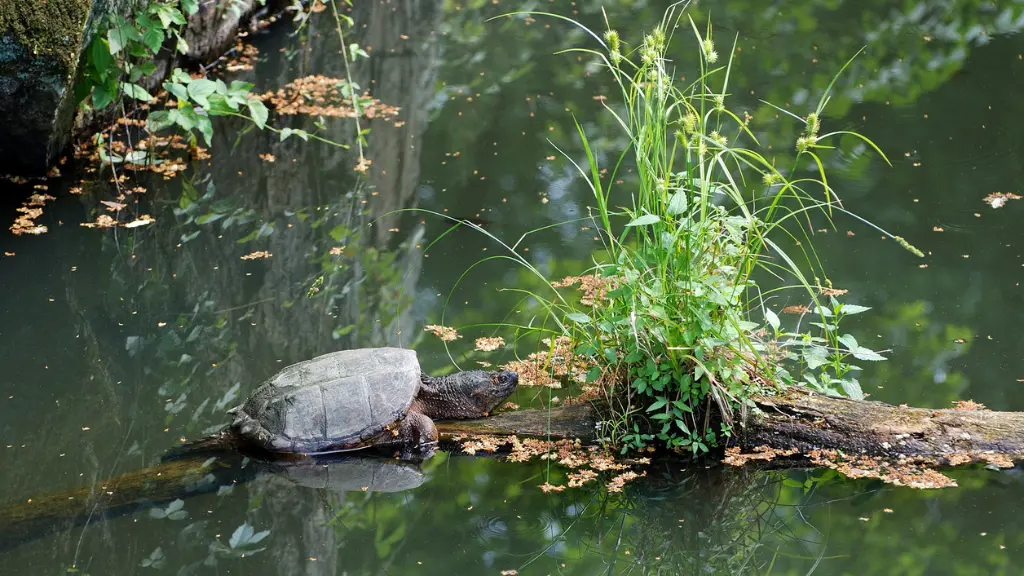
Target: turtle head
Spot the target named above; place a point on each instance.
(470, 394)
(487, 390)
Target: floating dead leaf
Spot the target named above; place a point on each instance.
(796, 309)
(268, 157)
(103, 221)
(143, 220)
(999, 199)
(548, 487)
(257, 255)
(509, 572)
(112, 206)
(445, 333)
(489, 344)
(938, 229)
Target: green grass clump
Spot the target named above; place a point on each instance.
(678, 333)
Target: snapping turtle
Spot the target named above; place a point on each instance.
(358, 398)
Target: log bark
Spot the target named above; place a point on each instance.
(797, 420)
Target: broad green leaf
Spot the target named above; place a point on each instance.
(153, 39)
(645, 220)
(677, 203)
(101, 98)
(852, 389)
(179, 90)
(180, 76)
(218, 105)
(239, 88)
(578, 317)
(190, 6)
(850, 309)
(862, 353)
(205, 128)
(118, 38)
(136, 91)
(200, 89)
(815, 357)
(258, 112)
(772, 318)
(849, 341)
(159, 120)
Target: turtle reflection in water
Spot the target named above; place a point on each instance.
(355, 399)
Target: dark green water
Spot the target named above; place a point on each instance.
(116, 344)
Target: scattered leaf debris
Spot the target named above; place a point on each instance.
(489, 344)
(999, 199)
(257, 255)
(445, 333)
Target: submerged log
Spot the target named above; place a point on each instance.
(797, 422)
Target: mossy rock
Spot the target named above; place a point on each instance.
(41, 42)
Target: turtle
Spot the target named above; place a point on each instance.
(354, 399)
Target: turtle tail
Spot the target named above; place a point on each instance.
(227, 440)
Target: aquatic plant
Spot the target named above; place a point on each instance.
(674, 330)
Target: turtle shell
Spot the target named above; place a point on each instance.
(338, 401)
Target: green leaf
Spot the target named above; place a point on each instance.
(239, 88)
(850, 309)
(185, 117)
(258, 112)
(862, 353)
(218, 105)
(101, 98)
(159, 120)
(180, 76)
(100, 55)
(645, 220)
(136, 91)
(179, 90)
(772, 318)
(200, 89)
(849, 341)
(578, 317)
(119, 37)
(852, 389)
(205, 128)
(153, 39)
(190, 6)
(815, 357)
(181, 45)
(677, 203)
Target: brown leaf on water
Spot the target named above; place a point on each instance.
(112, 206)
(445, 333)
(999, 199)
(489, 344)
(103, 221)
(796, 309)
(509, 572)
(547, 487)
(256, 255)
(140, 221)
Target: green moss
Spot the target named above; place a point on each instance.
(47, 26)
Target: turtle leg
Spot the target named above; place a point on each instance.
(417, 429)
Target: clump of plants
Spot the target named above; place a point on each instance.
(698, 240)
